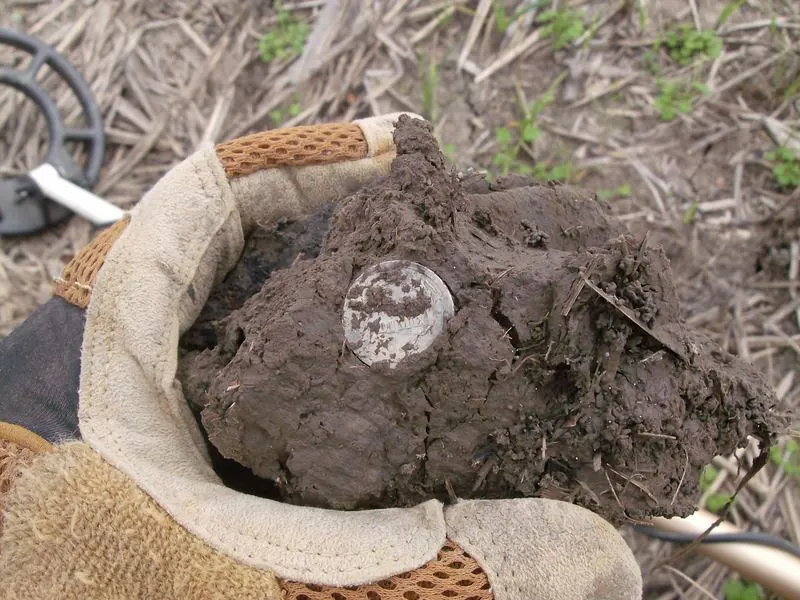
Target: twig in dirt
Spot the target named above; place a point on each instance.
(646, 176)
(658, 355)
(744, 76)
(640, 251)
(635, 484)
(614, 493)
(483, 473)
(384, 38)
(474, 30)
(589, 491)
(217, 116)
(783, 312)
(430, 8)
(691, 581)
(780, 133)
(794, 271)
(451, 493)
(509, 55)
(500, 276)
(662, 436)
(738, 173)
(596, 26)
(431, 26)
(610, 89)
(661, 339)
(522, 362)
(695, 15)
(683, 475)
(779, 23)
(395, 11)
(791, 515)
(578, 285)
(782, 338)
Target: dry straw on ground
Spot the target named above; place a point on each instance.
(169, 76)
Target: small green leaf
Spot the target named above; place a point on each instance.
(716, 502)
(564, 26)
(295, 109)
(501, 20)
(523, 169)
(787, 457)
(430, 83)
(530, 132)
(547, 16)
(785, 167)
(702, 88)
(624, 191)
(691, 213)
(561, 172)
(276, 116)
(686, 44)
(736, 589)
(707, 477)
(285, 40)
(503, 136)
(776, 455)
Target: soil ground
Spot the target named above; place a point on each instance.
(168, 76)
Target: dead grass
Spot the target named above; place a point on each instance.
(170, 76)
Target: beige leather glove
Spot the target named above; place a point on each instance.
(129, 507)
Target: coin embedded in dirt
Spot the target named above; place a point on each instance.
(395, 309)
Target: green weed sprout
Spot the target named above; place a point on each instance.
(715, 502)
(677, 97)
(286, 40)
(623, 191)
(278, 116)
(788, 457)
(501, 19)
(556, 172)
(429, 84)
(785, 167)
(510, 140)
(736, 589)
(564, 26)
(687, 44)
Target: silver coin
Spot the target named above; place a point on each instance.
(393, 310)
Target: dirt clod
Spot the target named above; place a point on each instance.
(566, 371)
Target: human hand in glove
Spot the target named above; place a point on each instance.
(106, 485)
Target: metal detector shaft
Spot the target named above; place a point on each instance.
(74, 197)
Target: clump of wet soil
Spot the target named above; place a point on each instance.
(566, 371)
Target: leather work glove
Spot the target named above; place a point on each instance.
(106, 485)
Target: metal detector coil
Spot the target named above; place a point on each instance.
(26, 204)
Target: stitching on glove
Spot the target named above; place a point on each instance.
(294, 146)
